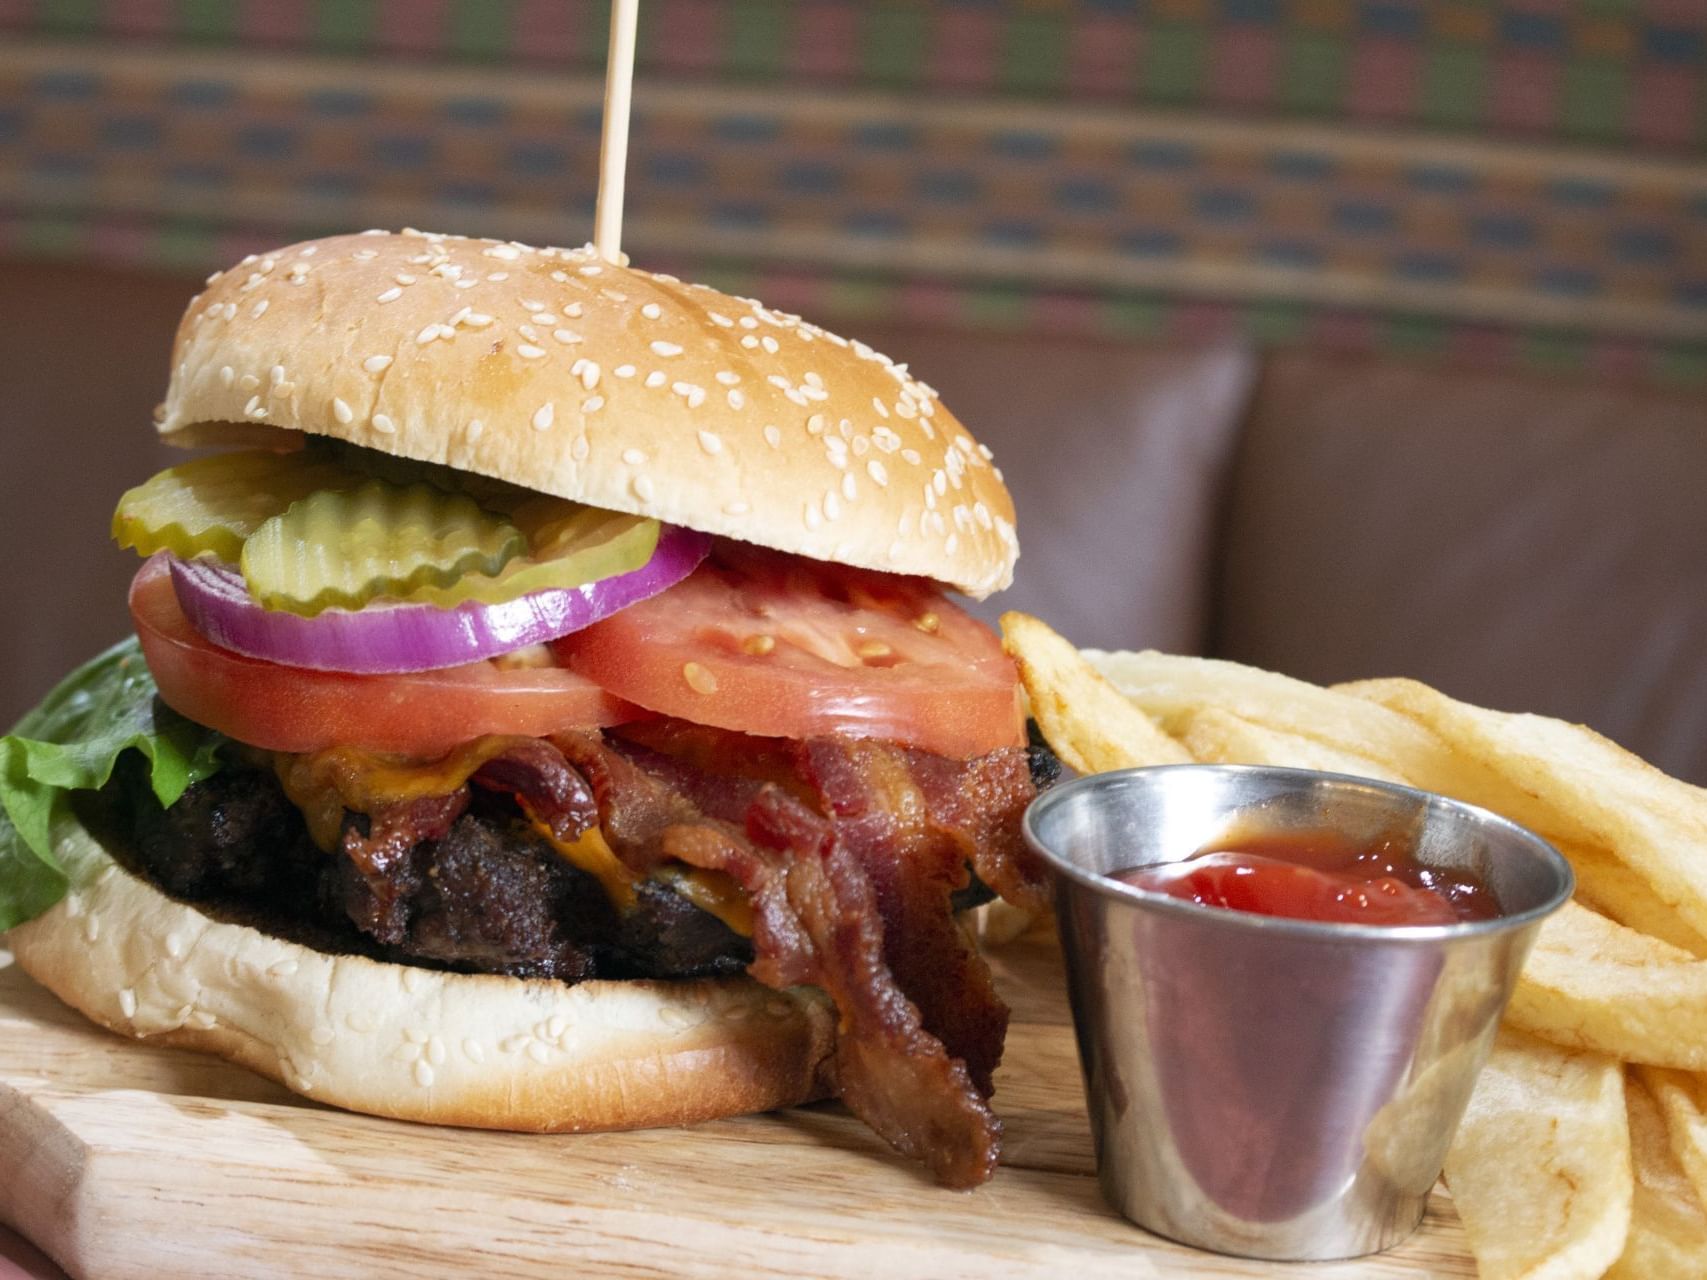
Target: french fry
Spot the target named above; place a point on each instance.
(1591, 983)
(1220, 736)
(1172, 688)
(1682, 1098)
(1087, 722)
(1668, 1226)
(1608, 886)
(1540, 1168)
(1597, 793)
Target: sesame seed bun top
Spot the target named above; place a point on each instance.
(608, 385)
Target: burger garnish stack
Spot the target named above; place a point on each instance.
(544, 711)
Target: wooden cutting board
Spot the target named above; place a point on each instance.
(121, 1160)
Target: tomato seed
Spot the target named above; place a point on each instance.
(874, 649)
(699, 679)
(927, 622)
(758, 646)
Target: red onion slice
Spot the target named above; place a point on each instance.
(385, 639)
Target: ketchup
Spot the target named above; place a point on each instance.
(1321, 876)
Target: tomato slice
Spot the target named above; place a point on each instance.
(781, 646)
(421, 714)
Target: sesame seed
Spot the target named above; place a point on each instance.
(850, 487)
(813, 517)
(579, 449)
(403, 278)
(592, 404)
(728, 378)
(366, 255)
(342, 411)
(390, 295)
(656, 378)
(769, 344)
(465, 282)
(589, 374)
(573, 310)
(795, 397)
(477, 319)
(651, 311)
(759, 645)
(568, 337)
(882, 409)
(383, 424)
(876, 471)
(528, 304)
(377, 364)
(736, 399)
(254, 408)
(953, 542)
(624, 371)
(227, 375)
(460, 316)
(476, 429)
(427, 335)
(939, 481)
(912, 456)
(544, 416)
(127, 1002)
(529, 352)
(773, 436)
(666, 348)
(259, 309)
(710, 442)
(832, 505)
(502, 251)
(813, 380)
(634, 457)
(861, 446)
(694, 395)
(592, 270)
(720, 320)
(643, 489)
(749, 341)
(529, 332)
(747, 322)
(613, 295)
(982, 513)
(699, 679)
(248, 382)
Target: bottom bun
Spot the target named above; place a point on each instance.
(417, 1044)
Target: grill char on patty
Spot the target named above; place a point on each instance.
(489, 895)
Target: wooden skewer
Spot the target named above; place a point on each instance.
(613, 145)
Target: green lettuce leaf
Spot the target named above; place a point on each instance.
(69, 743)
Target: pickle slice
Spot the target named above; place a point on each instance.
(343, 549)
(570, 545)
(210, 505)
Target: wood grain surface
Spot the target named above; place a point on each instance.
(124, 1160)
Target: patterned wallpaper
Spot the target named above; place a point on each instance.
(1499, 182)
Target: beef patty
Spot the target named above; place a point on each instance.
(488, 896)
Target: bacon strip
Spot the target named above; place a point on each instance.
(853, 899)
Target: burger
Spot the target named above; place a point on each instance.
(545, 710)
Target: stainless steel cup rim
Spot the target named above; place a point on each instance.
(1280, 925)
